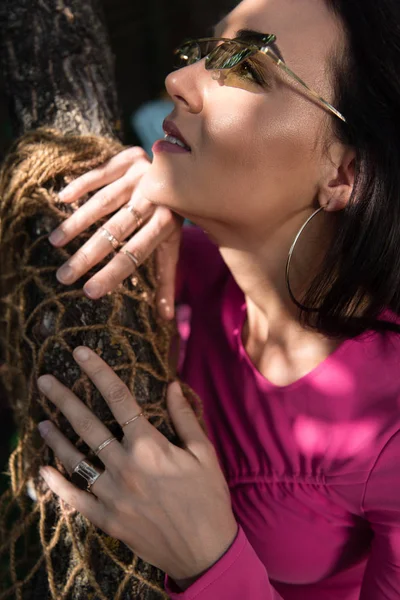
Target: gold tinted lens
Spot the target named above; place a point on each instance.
(228, 55)
(187, 54)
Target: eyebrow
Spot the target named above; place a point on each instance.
(245, 34)
(248, 33)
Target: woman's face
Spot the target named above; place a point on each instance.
(258, 151)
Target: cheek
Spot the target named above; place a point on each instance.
(260, 144)
(248, 147)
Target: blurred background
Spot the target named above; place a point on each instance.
(143, 35)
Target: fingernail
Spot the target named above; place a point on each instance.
(93, 289)
(44, 428)
(165, 308)
(57, 236)
(45, 383)
(65, 274)
(175, 388)
(168, 311)
(81, 354)
(63, 195)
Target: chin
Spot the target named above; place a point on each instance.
(158, 189)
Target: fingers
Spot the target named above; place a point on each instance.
(87, 504)
(83, 421)
(65, 450)
(141, 245)
(117, 395)
(61, 446)
(115, 168)
(122, 224)
(106, 201)
(186, 423)
(167, 259)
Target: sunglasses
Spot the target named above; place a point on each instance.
(223, 54)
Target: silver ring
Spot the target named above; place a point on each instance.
(86, 470)
(104, 445)
(135, 214)
(110, 238)
(133, 419)
(133, 258)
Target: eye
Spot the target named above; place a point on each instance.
(251, 72)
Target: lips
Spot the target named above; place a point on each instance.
(171, 129)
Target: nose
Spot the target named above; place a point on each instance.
(185, 86)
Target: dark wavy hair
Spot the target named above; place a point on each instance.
(360, 276)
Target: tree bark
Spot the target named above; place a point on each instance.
(58, 72)
(58, 67)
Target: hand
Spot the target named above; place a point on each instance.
(170, 505)
(118, 179)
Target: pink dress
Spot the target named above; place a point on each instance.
(313, 467)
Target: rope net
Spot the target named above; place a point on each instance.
(48, 550)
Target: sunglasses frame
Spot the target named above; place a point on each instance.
(263, 46)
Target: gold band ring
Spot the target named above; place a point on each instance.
(86, 471)
(133, 419)
(110, 238)
(133, 258)
(104, 445)
(135, 214)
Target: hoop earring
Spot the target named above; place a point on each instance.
(289, 260)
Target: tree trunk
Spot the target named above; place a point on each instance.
(58, 72)
(58, 67)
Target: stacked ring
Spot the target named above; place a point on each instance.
(132, 257)
(104, 445)
(110, 238)
(135, 214)
(142, 414)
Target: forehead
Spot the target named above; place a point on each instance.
(307, 31)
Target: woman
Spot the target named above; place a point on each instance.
(301, 404)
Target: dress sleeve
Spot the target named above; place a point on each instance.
(238, 574)
(382, 509)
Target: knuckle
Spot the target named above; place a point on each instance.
(104, 202)
(81, 184)
(84, 425)
(118, 231)
(117, 393)
(114, 279)
(72, 499)
(137, 152)
(83, 260)
(96, 370)
(146, 452)
(163, 220)
(120, 471)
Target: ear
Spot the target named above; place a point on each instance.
(338, 184)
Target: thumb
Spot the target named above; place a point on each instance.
(184, 419)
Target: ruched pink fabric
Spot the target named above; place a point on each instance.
(313, 467)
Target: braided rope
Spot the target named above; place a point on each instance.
(48, 550)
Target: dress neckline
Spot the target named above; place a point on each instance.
(239, 316)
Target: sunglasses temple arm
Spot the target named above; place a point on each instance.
(285, 68)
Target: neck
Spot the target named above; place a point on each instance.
(276, 342)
